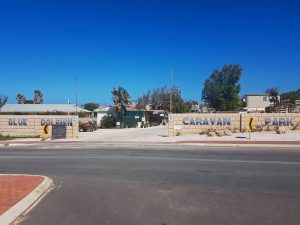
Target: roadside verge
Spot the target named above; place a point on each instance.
(26, 203)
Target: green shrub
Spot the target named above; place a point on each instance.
(108, 122)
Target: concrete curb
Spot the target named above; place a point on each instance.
(28, 143)
(26, 203)
(136, 143)
(241, 145)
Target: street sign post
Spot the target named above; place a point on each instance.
(46, 131)
(250, 126)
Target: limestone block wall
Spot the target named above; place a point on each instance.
(195, 123)
(32, 125)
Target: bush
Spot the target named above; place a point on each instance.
(81, 114)
(108, 122)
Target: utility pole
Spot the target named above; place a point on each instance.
(76, 95)
(171, 88)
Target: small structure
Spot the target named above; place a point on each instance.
(195, 108)
(257, 102)
(133, 119)
(142, 118)
(155, 117)
(104, 111)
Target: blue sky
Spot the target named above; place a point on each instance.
(46, 44)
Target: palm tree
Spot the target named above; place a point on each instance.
(121, 98)
(21, 99)
(38, 97)
(3, 100)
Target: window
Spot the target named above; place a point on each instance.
(265, 98)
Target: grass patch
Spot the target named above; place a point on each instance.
(8, 138)
(5, 138)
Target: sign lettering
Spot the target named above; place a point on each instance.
(51, 122)
(279, 121)
(45, 121)
(207, 121)
(17, 122)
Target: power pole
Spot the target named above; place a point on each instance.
(76, 95)
(171, 71)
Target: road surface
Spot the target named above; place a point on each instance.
(161, 185)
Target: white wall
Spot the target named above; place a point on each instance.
(258, 101)
(100, 116)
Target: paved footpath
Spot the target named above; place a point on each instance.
(18, 193)
(159, 136)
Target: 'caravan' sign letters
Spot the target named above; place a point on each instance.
(226, 121)
(205, 121)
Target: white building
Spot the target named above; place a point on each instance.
(104, 111)
(257, 102)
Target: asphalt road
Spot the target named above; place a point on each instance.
(162, 185)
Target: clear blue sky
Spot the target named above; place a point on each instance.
(46, 44)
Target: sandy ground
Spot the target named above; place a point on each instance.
(160, 134)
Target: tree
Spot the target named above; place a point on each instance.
(221, 89)
(38, 97)
(121, 99)
(108, 122)
(273, 93)
(3, 100)
(160, 99)
(91, 106)
(21, 99)
(180, 107)
(292, 95)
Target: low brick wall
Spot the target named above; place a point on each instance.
(195, 123)
(32, 125)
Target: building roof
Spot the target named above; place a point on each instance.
(257, 95)
(41, 108)
(104, 108)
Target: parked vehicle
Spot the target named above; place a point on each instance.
(87, 127)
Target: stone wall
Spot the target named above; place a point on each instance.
(32, 125)
(195, 123)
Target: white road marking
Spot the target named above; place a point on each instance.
(156, 158)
